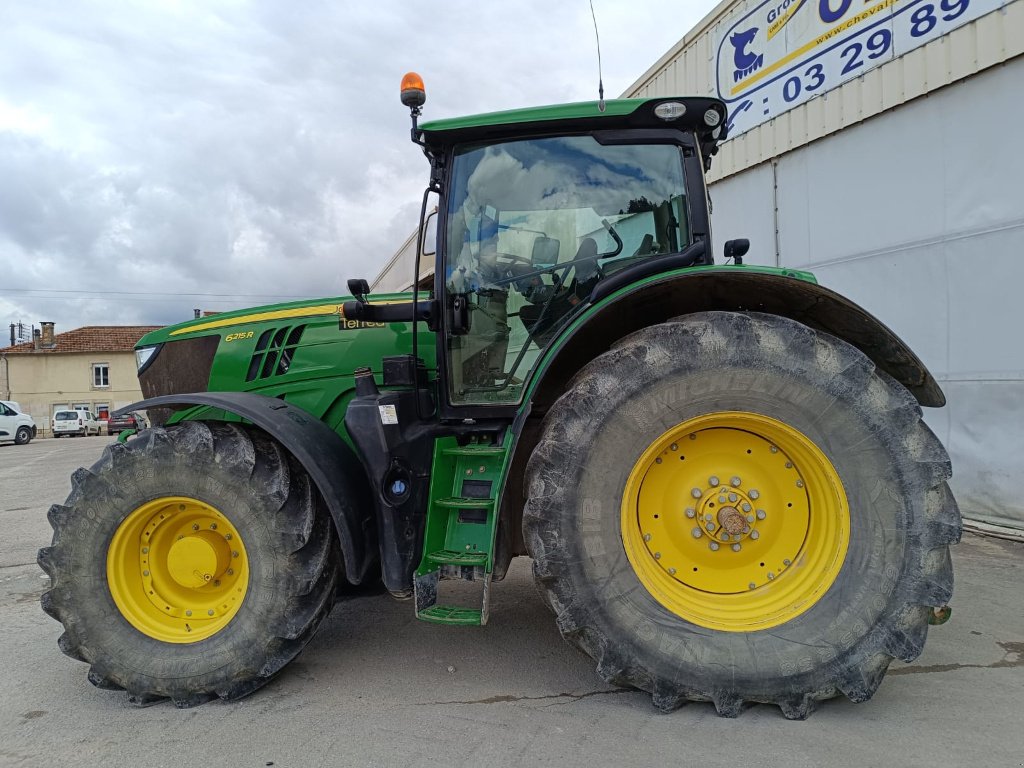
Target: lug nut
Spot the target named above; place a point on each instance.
(195, 526)
(733, 497)
(751, 585)
(745, 506)
(210, 612)
(721, 499)
(760, 514)
(647, 537)
(799, 483)
(789, 465)
(482, 469)
(773, 449)
(713, 481)
(735, 547)
(771, 575)
(709, 517)
(188, 613)
(696, 493)
(145, 573)
(145, 550)
(234, 553)
(714, 546)
(675, 447)
(787, 561)
(691, 512)
(697, 533)
(754, 494)
(227, 536)
(735, 482)
(671, 571)
(711, 527)
(213, 526)
(750, 518)
(755, 535)
(231, 571)
(181, 507)
(657, 555)
(656, 461)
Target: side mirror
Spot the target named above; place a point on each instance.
(359, 288)
(736, 249)
(430, 234)
(545, 251)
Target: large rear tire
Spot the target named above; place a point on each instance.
(736, 508)
(190, 562)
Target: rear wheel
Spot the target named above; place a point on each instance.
(22, 435)
(735, 508)
(191, 562)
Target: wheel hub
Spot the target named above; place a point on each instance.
(719, 509)
(177, 569)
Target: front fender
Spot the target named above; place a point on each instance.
(330, 462)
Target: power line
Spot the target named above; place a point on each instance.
(156, 293)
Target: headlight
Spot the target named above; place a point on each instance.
(144, 356)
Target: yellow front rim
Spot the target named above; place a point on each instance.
(177, 569)
(735, 521)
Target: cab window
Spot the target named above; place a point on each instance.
(532, 227)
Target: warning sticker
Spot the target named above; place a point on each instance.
(388, 414)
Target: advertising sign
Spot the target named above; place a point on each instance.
(776, 54)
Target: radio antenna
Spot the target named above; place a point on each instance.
(600, 81)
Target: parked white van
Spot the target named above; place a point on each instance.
(75, 423)
(15, 425)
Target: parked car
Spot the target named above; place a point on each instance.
(15, 425)
(130, 420)
(75, 423)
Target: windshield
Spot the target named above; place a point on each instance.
(533, 226)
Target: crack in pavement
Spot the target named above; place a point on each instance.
(1011, 649)
(506, 699)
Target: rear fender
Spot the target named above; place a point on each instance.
(330, 462)
(733, 289)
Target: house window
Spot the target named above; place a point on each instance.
(101, 374)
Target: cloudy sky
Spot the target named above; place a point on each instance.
(160, 156)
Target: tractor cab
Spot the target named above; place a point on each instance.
(542, 212)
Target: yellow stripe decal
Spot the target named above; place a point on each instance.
(776, 26)
(257, 317)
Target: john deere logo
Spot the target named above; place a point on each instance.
(745, 61)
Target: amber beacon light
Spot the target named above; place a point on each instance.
(413, 93)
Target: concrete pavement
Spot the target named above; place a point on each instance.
(376, 687)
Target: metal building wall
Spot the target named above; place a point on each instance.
(902, 190)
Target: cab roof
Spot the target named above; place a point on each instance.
(618, 114)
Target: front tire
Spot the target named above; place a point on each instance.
(22, 436)
(827, 576)
(191, 562)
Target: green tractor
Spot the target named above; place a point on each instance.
(720, 471)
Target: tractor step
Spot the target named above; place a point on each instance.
(447, 614)
(462, 517)
(474, 450)
(446, 557)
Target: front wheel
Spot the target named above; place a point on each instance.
(191, 562)
(22, 436)
(736, 508)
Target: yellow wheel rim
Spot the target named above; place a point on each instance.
(735, 521)
(177, 569)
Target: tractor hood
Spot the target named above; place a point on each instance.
(304, 351)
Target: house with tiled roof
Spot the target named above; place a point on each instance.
(89, 368)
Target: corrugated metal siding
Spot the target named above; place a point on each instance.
(972, 48)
